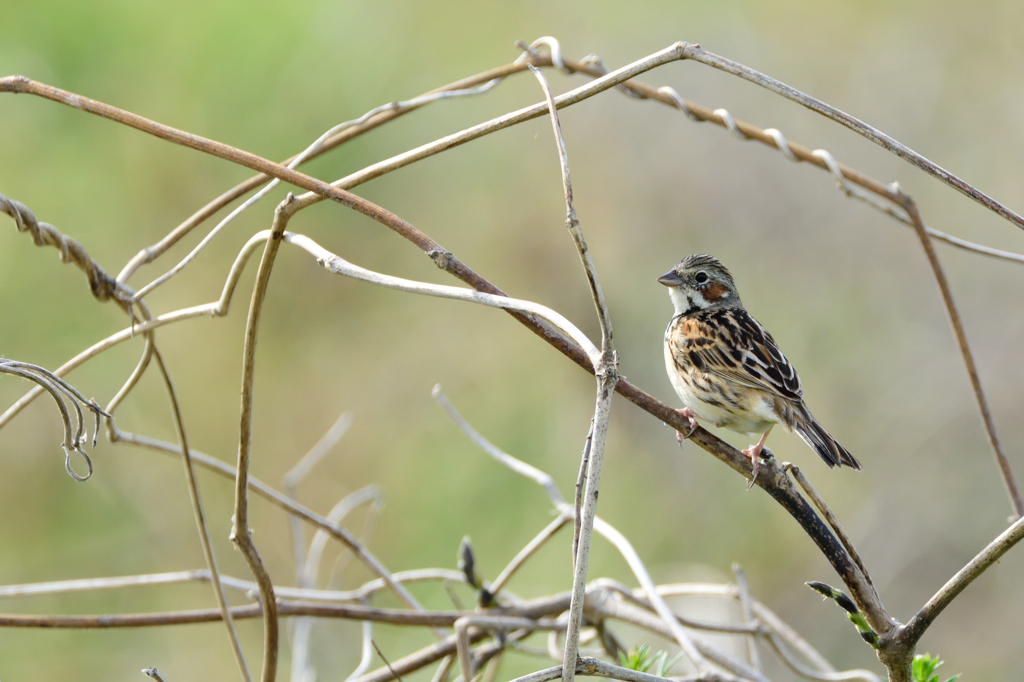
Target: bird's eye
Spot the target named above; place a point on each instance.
(701, 277)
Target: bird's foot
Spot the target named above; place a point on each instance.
(754, 453)
(692, 418)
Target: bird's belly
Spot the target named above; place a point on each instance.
(721, 402)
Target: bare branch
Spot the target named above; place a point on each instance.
(530, 549)
(103, 286)
(917, 625)
(340, 266)
(241, 534)
(572, 223)
(695, 53)
(748, 612)
(606, 371)
(292, 507)
(961, 339)
(823, 507)
(200, 517)
(522, 468)
(63, 393)
(597, 667)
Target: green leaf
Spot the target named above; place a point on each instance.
(924, 666)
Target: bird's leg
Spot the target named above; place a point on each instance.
(754, 453)
(692, 418)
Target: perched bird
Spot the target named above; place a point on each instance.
(726, 367)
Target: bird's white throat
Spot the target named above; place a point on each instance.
(685, 301)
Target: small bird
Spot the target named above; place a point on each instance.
(727, 368)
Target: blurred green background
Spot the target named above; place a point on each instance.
(846, 292)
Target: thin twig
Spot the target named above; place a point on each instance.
(386, 661)
(597, 667)
(822, 675)
(961, 339)
(317, 452)
(522, 468)
(572, 224)
(340, 266)
(618, 610)
(302, 669)
(241, 534)
(526, 614)
(338, 532)
(748, 613)
(103, 286)
(302, 628)
(360, 595)
(639, 597)
(420, 659)
(696, 53)
(833, 522)
(441, 674)
(529, 550)
(917, 625)
(154, 673)
(577, 506)
(200, 518)
(606, 371)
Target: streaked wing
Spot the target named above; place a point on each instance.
(733, 345)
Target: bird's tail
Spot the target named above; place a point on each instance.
(822, 442)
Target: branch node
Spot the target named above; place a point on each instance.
(441, 257)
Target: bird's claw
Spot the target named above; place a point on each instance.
(692, 418)
(754, 453)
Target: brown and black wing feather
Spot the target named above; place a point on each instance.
(732, 345)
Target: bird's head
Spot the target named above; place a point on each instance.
(700, 282)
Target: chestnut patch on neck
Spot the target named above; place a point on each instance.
(714, 292)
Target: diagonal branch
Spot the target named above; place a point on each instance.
(696, 53)
(199, 513)
(915, 628)
(961, 340)
(103, 286)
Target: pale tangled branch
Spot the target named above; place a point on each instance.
(63, 394)
(103, 286)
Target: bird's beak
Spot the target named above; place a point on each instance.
(670, 279)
